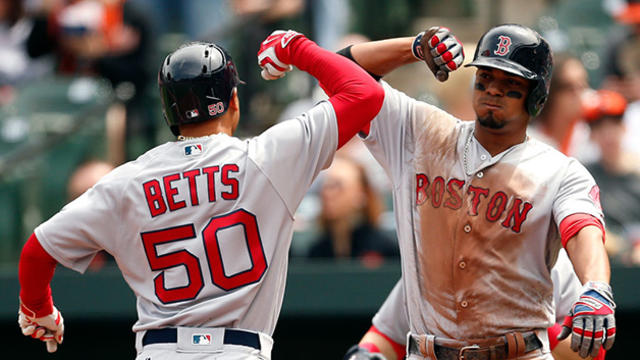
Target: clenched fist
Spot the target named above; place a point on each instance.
(48, 328)
(273, 56)
(440, 49)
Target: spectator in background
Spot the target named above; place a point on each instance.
(350, 212)
(330, 22)
(616, 173)
(559, 124)
(107, 38)
(621, 65)
(618, 75)
(17, 67)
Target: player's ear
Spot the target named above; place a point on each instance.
(234, 103)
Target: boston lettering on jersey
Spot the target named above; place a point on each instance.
(450, 194)
(161, 193)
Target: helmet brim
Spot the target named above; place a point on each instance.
(505, 65)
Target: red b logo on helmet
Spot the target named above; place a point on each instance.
(503, 45)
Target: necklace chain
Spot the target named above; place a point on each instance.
(465, 154)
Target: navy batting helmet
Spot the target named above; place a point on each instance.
(196, 83)
(521, 51)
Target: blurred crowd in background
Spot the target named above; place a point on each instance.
(78, 97)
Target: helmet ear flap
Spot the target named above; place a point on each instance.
(174, 129)
(536, 99)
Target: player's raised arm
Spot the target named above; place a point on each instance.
(355, 96)
(437, 47)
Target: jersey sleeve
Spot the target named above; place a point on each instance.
(392, 318)
(566, 285)
(82, 228)
(386, 136)
(293, 152)
(578, 193)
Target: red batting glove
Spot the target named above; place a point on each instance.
(273, 56)
(445, 49)
(591, 321)
(47, 327)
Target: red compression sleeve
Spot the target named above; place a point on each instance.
(553, 333)
(399, 349)
(572, 224)
(35, 272)
(356, 97)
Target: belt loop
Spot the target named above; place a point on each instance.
(429, 347)
(512, 346)
(520, 343)
(422, 344)
(516, 345)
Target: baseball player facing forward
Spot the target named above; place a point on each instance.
(200, 227)
(482, 209)
(386, 338)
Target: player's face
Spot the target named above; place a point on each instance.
(499, 99)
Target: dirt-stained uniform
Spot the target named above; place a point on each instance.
(478, 233)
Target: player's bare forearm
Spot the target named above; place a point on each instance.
(382, 57)
(588, 255)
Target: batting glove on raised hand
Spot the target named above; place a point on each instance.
(591, 321)
(440, 49)
(45, 327)
(273, 56)
(358, 353)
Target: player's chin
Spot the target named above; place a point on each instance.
(491, 120)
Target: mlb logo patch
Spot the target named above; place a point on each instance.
(201, 339)
(194, 149)
(192, 113)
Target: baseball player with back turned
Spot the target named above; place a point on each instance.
(386, 338)
(482, 209)
(200, 227)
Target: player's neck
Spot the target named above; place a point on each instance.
(224, 124)
(495, 143)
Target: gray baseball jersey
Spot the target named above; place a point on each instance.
(478, 233)
(392, 318)
(201, 228)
